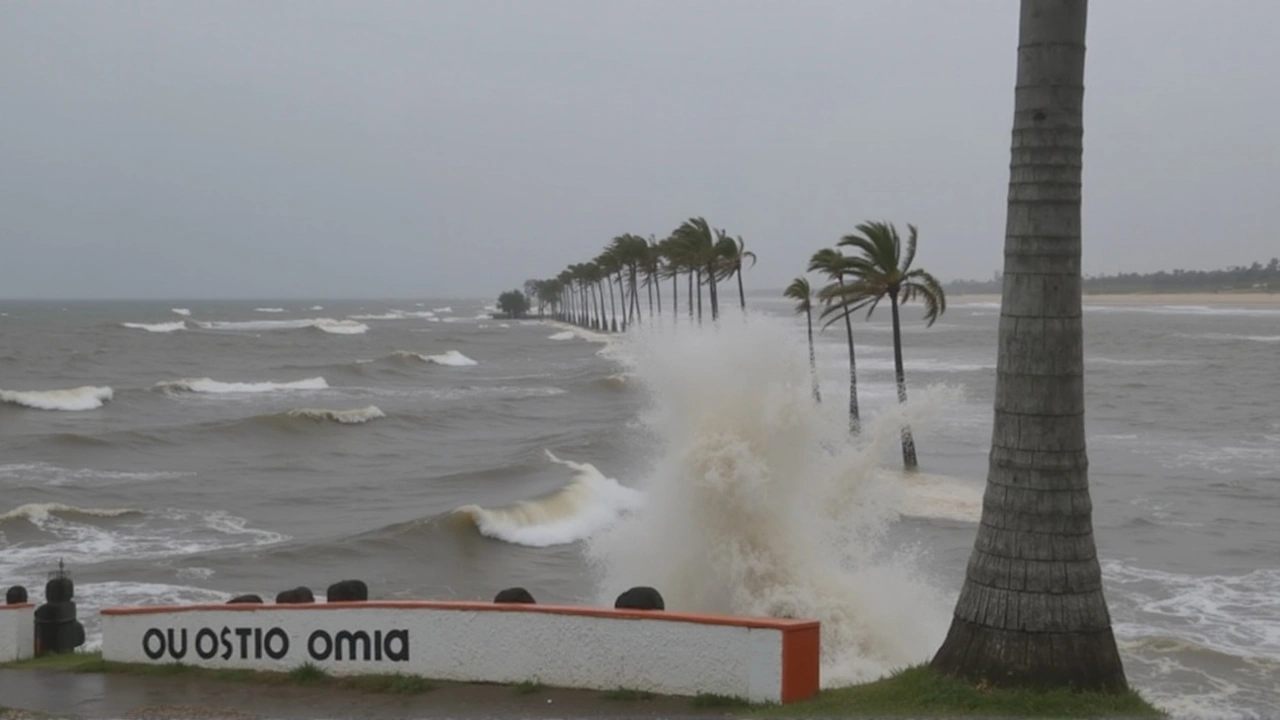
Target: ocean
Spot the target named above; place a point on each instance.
(178, 453)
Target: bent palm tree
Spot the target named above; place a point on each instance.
(736, 253)
(880, 272)
(800, 291)
(833, 264)
(1032, 610)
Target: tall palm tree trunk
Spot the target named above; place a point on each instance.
(650, 284)
(691, 273)
(622, 297)
(635, 296)
(900, 375)
(656, 279)
(613, 309)
(711, 291)
(699, 295)
(855, 422)
(1032, 611)
(813, 357)
(742, 295)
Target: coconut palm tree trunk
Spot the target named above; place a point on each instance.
(1032, 611)
(635, 296)
(691, 274)
(650, 284)
(675, 297)
(657, 289)
(622, 299)
(855, 422)
(742, 295)
(900, 375)
(711, 291)
(813, 357)
(613, 309)
(699, 273)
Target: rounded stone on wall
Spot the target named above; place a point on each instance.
(347, 591)
(245, 600)
(515, 595)
(297, 596)
(640, 598)
(16, 595)
(60, 589)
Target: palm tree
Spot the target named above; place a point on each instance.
(800, 291)
(832, 263)
(707, 249)
(1032, 610)
(879, 272)
(609, 264)
(737, 253)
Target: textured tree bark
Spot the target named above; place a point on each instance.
(1032, 612)
(855, 423)
(900, 375)
(813, 358)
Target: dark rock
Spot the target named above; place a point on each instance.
(16, 595)
(297, 596)
(347, 591)
(640, 598)
(59, 589)
(245, 600)
(515, 595)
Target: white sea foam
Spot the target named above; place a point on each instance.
(52, 475)
(270, 310)
(1226, 337)
(443, 309)
(92, 597)
(38, 513)
(317, 307)
(208, 385)
(452, 358)
(329, 325)
(182, 311)
(759, 503)
(587, 505)
(345, 417)
(167, 327)
(1184, 310)
(86, 397)
(563, 335)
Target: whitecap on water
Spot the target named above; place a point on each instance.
(86, 397)
(167, 327)
(208, 385)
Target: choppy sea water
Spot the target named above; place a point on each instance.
(185, 453)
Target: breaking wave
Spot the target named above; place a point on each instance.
(181, 311)
(87, 397)
(452, 358)
(270, 310)
(345, 417)
(38, 513)
(167, 327)
(329, 325)
(759, 504)
(208, 385)
(587, 505)
(565, 335)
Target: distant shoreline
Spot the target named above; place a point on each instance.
(1253, 299)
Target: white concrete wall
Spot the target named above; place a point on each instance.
(17, 632)
(603, 649)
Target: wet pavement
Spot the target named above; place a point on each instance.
(93, 696)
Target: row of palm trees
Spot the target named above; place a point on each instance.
(604, 294)
(861, 281)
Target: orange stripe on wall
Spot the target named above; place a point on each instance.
(19, 606)
(580, 611)
(801, 654)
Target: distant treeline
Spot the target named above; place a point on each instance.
(1252, 278)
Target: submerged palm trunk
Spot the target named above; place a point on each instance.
(900, 375)
(1032, 610)
(813, 358)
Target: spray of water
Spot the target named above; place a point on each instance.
(758, 503)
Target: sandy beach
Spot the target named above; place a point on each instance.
(1208, 299)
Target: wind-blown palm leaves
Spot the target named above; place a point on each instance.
(880, 271)
(800, 291)
(706, 255)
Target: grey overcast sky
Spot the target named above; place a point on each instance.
(291, 148)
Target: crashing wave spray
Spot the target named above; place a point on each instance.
(759, 504)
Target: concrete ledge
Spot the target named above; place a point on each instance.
(757, 659)
(17, 632)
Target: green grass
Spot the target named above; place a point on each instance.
(919, 691)
(627, 695)
(529, 687)
(306, 674)
(708, 701)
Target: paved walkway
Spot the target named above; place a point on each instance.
(92, 696)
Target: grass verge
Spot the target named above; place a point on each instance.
(627, 695)
(306, 674)
(921, 692)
